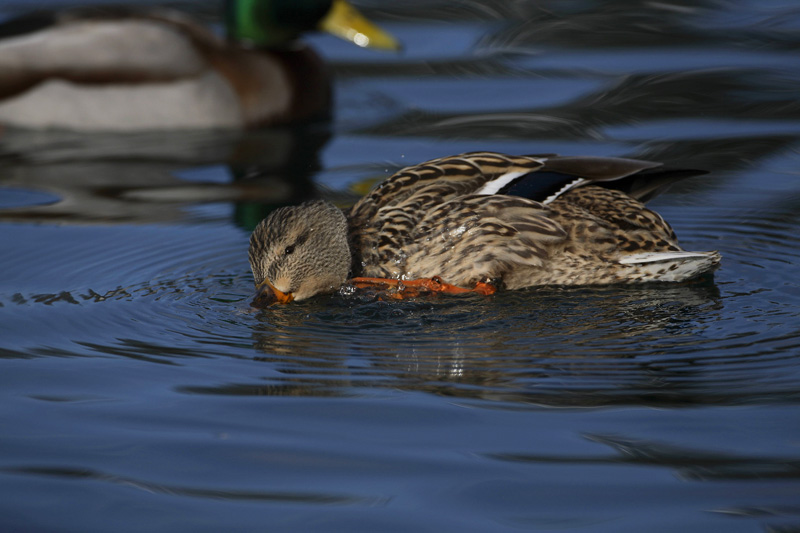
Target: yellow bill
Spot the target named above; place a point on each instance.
(345, 22)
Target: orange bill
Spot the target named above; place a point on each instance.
(267, 294)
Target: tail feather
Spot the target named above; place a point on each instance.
(646, 185)
(672, 266)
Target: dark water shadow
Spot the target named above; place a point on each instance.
(308, 498)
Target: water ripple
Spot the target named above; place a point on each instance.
(309, 498)
(727, 340)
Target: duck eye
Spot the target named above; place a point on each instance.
(289, 249)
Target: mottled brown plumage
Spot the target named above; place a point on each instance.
(517, 220)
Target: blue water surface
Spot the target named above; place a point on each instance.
(139, 390)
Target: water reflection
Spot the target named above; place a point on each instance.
(689, 464)
(531, 346)
(153, 177)
(630, 102)
(298, 497)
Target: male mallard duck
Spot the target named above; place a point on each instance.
(124, 70)
(480, 221)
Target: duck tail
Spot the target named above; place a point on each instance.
(671, 266)
(646, 185)
(641, 180)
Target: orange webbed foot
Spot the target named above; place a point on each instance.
(401, 289)
(485, 287)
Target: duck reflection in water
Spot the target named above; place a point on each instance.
(157, 177)
(499, 349)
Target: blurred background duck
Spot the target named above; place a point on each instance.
(120, 69)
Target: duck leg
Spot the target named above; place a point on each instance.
(400, 289)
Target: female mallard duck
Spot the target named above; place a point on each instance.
(478, 222)
(124, 70)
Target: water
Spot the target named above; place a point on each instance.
(139, 390)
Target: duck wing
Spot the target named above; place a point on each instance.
(382, 222)
(438, 202)
(474, 237)
(416, 189)
(540, 177)
(485, 214)
(641, 180)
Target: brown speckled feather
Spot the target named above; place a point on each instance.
(497, 233)
(399, 215)
(601, 226)
(439, 180)
(427, 220)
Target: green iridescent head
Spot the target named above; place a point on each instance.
(276, 23)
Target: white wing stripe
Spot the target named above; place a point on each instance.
(569, 186)
(491, 187)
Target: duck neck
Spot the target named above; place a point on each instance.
(355, 238)
(252, 23)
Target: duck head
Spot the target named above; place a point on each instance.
(298, 252)
(277, 23)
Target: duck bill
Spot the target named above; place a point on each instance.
(267, 294)
(345, 22)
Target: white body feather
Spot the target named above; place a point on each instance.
(179, 89)
(568, 187)
(672, 266)
(204, 102)
(129, 45)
